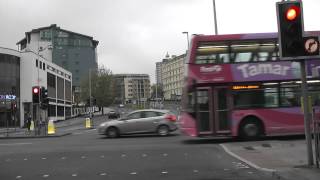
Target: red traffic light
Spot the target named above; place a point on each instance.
(35, 90)
(292, 13)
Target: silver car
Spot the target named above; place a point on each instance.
(161, 122)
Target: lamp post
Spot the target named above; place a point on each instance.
(215, 17)
(187, 34)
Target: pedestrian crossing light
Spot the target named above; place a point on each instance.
(290, 28)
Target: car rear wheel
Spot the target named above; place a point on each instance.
(112, 132)
(163, 130)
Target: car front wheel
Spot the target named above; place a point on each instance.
(112, 132)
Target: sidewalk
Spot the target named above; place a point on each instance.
(59, 125)
(283, 159)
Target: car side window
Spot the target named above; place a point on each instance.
(136, 115)
(160, 113)
(148, 114)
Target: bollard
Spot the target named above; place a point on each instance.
(51, 127)
(32, 126)
(88, 123)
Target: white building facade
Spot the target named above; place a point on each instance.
(30, 70)
(132, 88)
(172, 74)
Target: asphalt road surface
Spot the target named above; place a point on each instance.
(89, 156)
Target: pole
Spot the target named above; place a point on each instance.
(215, 17)
(156, 102)
(90, 101)
(306, 112)
(187, 34)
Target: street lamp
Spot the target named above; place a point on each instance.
(187, 34)
(215, 17)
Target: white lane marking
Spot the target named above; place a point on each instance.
(133, 173)
(18, 177)
(195, 171)
(144, 155)
(246, 161)
(8, 160)
(250, 172)
(241, 166)
(77, 133)
(164, 172)
(63, 158)
(165, 154)
(44, 158)
(103, 174)
(25, 159)
(46, 175)
(102, 156)
(14, 144)
(74, 175)
(123, 155)
(226, 169)
(83, 157)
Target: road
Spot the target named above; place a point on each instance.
(87, 155)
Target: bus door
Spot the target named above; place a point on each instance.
(221, 109)
(204, 125)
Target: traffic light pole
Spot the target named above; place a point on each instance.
(90, 99)
(306, 111)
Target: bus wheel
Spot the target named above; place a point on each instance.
(251, 129)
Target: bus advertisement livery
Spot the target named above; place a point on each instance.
(236, 85)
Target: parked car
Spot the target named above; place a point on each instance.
(121, 106)
(161, 122)
(113, 115)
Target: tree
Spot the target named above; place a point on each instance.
(102, 87)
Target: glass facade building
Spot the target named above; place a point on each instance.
(9, 90)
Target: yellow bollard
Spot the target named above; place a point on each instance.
(88, 123)
(32, 126)
(51, 127)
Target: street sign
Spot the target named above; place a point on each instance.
(311, 45)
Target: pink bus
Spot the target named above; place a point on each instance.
(236, 85)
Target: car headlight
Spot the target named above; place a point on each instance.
(103, 124)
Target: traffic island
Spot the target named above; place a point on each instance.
(281, 159)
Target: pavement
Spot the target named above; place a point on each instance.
(63, 128)
(283, 158)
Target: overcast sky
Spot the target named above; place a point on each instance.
(134, 34)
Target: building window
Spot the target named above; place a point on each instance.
(77, 62)
(44, 66)
(40, 64)
(36, 62)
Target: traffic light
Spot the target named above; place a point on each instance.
(35, 94)
(290, 28)
(44, 98)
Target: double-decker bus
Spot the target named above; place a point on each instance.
(236, 85)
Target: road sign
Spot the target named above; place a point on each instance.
(311, 45)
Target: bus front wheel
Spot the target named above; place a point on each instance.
(251, 129)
